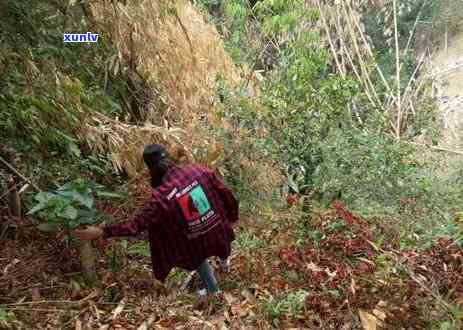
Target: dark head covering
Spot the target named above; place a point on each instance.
(154, 154)
(156, 159)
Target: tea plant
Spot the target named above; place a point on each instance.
(68, 207)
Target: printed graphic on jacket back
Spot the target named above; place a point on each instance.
(199, 215)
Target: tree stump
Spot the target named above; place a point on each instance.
(14, 201)
(87, 259)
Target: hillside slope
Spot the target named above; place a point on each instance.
(448, 69)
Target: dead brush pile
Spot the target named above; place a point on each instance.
(179, 57)
(173, 48)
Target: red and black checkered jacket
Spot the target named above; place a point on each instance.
(189, 218)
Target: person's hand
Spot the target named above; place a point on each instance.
(89, 233)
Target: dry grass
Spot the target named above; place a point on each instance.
(173, 48)
(179, 57)
(175, 52)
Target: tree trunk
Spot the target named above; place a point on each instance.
(87, 262)
(14, 202)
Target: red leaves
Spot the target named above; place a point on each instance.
(332, 268)
(292, 199)
(289, 255)
(444, 265)
(349, 217)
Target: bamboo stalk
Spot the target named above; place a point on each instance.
(358, 75)
(337, 25)
(412, 32)
(363, 68)
(407, 93)
(397, 55)
(333, 49)
(370, 52)
(446, 40)
(354, 68)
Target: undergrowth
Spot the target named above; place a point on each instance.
(315, 265)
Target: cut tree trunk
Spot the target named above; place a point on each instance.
(14, 202)
(87, 262)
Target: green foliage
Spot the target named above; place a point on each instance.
(70, 206)
(378, 165)
(304, 94)
(49, 88)
(247, 241)
(290, 305)
(7, 319)
(314, 134)
(377, 18)
(51, 117)
(141, 249)
(282, 17)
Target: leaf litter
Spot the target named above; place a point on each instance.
(353, 277)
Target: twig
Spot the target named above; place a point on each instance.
(412, 275)
(410, 90)
(41, 302)
(9, 190)
(455, 242)
(41, 310)
(458, 152)
(254, 64)
(447, 71)
(187, 280)
(38, 285)
(146, 324)
(15, 171)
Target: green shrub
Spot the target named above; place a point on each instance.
(290, 305)
(70, 206)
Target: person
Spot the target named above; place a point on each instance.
(189, 218)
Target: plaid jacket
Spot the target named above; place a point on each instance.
(189, 218)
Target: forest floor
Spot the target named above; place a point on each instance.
(329, 270)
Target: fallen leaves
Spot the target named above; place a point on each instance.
(369, 321)
(146, 324)
(375, 319)
(344, 270)
(118, 310)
